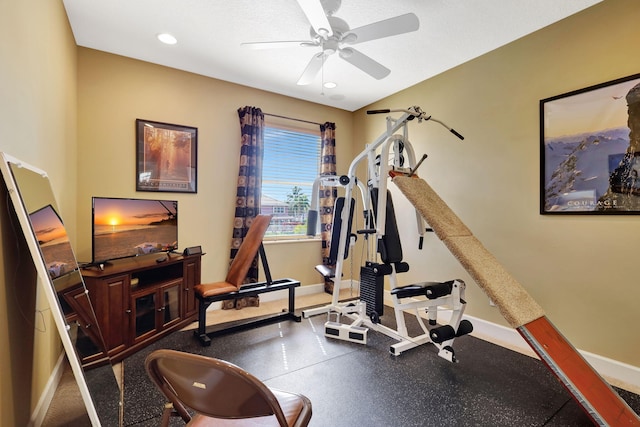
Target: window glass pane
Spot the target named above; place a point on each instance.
(291, 164)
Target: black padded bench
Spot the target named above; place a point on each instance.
(233, 288)
(431, 290)
(327, 271)
(205, 334)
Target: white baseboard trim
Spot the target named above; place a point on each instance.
(306, 290)
(40, 411)
(284, 294)
(617, 373)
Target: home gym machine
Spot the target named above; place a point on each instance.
(388, 155)
(592, 392)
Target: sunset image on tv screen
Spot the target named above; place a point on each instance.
(130, 227)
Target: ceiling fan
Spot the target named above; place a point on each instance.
(333, 35)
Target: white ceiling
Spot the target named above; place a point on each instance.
(210, 32)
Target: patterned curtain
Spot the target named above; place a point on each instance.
(327, 194)
(249, 186)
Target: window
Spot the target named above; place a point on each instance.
(291, 163)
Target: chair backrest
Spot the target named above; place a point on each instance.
(248, 250)
(210, 387)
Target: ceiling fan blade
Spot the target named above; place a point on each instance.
(316, 16)
(389, 27)
(275, 44)
(313, 67)
(365, 63)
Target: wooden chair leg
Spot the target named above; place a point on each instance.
(167, 413)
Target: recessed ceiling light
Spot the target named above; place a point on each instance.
(330, 85)
(167, 38)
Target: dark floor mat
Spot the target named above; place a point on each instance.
(352, 384)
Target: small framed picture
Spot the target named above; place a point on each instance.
(166, 157)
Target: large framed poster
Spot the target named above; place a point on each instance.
(590, 150)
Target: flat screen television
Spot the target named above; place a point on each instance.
(124, 228)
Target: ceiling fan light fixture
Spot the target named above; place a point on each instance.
(167, 38)
(350, 38)
(330, 33)
(330, 85)
(324, 33)
(346, 52)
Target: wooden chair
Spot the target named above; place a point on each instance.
(220, 393)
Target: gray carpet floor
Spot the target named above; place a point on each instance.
(351, 384)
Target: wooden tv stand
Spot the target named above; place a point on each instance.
(139, 300)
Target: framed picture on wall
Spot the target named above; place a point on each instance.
(166, 157)
(590, 150)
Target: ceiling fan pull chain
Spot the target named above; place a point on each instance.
(322, 79)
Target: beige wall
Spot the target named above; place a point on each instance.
(38, 126)
(113, 91)
(581, 269)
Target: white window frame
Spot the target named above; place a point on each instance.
(275, 187)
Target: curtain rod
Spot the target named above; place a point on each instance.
(291, 118)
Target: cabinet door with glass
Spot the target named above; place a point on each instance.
(170, 304)
(155, 309)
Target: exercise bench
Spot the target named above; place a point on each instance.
(233, 288)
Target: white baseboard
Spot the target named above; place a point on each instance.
(284, 294)
(40, 411)
(617, 373)
(306, 290)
